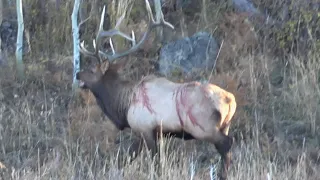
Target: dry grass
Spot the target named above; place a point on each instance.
(47, 133)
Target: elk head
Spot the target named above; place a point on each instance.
(105, 66)
(89, 77)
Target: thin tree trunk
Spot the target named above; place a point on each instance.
(19, 46)
(1, 19)
(157, 5)
(76, 42)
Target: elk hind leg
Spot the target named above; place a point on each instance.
(150, 139)
(225, 129)
(223, 144)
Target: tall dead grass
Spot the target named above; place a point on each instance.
(46, 135)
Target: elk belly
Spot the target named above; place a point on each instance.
(158, 114)
(153, 107)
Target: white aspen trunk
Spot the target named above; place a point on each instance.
(76, 42)
(19, 46)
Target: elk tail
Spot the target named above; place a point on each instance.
(230, 99)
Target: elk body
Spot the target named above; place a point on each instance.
(155, 105)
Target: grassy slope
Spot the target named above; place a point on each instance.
(46, 133)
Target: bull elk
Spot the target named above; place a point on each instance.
(154, 104)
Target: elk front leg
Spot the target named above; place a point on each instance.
(135, 149)
(150, 141)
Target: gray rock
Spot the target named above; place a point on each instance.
(191, 53)
(245, 6)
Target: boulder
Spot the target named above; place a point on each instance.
(185, 55)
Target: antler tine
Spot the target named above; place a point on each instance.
(110, 33)
(96, 42)
(86, 52)
(135, 45)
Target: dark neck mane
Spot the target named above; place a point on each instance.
(113, 95)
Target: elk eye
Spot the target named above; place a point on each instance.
(93, 70)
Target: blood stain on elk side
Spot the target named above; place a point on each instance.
(182, 104)
(142, 97)
(193, 104)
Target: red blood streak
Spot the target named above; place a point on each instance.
(177, 105)
(182, 92)
(192, 118)
(143, 97)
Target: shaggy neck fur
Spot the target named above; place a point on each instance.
(113, 95)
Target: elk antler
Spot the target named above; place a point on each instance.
(115, 31)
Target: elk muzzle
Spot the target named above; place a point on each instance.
(81, 83)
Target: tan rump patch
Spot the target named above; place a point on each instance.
(2, 166)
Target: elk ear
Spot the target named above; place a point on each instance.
(118, 65)
(104, 66)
